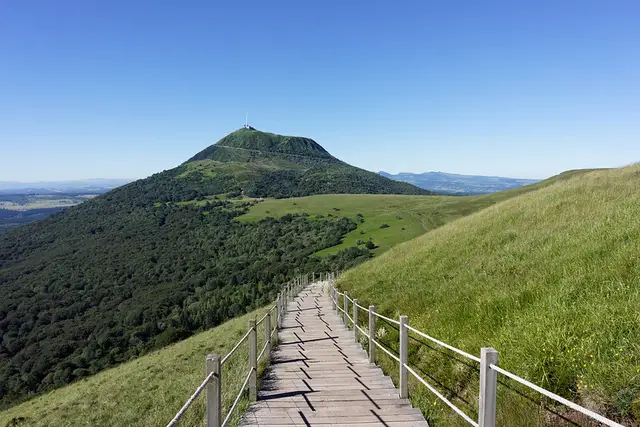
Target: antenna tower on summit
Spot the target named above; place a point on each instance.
(246, 121)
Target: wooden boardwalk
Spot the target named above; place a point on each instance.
(320, 376)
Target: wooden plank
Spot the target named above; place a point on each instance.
(319, 375)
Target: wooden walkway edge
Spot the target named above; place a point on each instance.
(319, 376)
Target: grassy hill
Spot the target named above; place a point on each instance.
(144, 392)
(550, 279)
(154, 261)
(406, 216)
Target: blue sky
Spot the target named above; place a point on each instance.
(128, 88)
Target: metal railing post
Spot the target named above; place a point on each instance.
(488, 388)
(355, 320)
(332, 290)
(372, 334)
(214, 391)
(404, 343)
(267, 337)
(345, 304)
(253, 361)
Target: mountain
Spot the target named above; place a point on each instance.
(549, 279)
(155, 260)
(261, 164)
(450, 183)
(245, 143)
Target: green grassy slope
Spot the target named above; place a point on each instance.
(147, 391)
(407, 216)
(551, 279)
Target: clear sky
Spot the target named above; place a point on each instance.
(126, 88)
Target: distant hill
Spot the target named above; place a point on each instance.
(54, 187)
(450, 183)
(155, 260)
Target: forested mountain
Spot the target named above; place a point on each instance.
(153, 261)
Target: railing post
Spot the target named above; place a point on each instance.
(332, 291)
(267, 337)
(345, 304)
(488, 388)
(214, 391)
(285, 300)
(404, 343)
(279, 311)
(355, 320)
(253, 361)
(372, 334)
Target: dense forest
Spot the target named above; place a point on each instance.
(155, 260)
(101, 297)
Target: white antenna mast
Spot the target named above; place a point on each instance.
(246, 121)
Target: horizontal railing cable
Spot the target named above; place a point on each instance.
(362, 331)
(445, 345)
(264, 348)
(238, 397)
(236, 347)
(441, 397)
(350, 318)
(557, 398)
(265, 316)
(361, 307)
(383, 348)
(388, 319)
(190, 400)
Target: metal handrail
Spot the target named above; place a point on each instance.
(235, 402)
(441, 397)
(445, 345)
(237, 346)
(557, 398)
